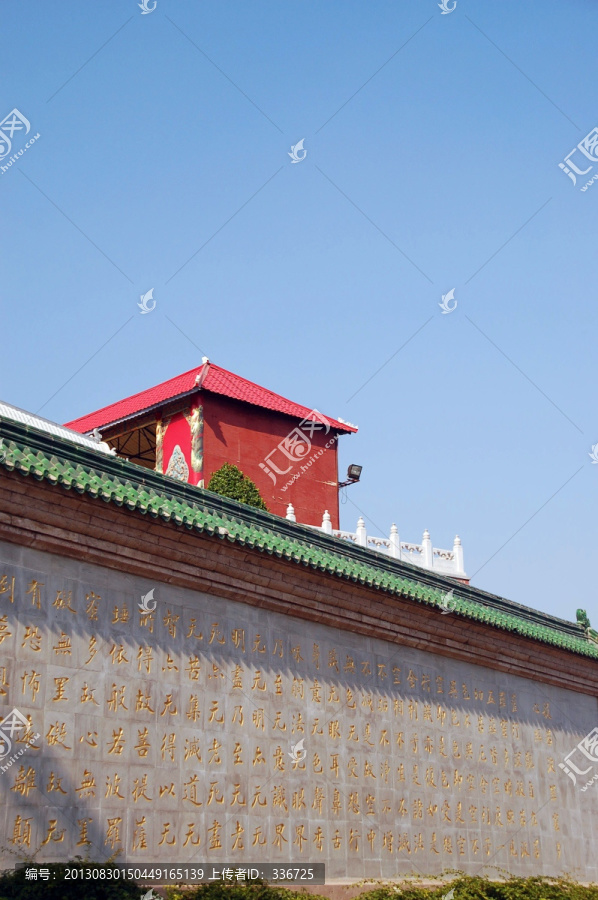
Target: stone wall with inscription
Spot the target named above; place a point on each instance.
(172, 736)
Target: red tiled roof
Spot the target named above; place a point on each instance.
(217, 381)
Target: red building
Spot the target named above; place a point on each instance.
(189, 426)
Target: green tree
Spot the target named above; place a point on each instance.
(229, 481)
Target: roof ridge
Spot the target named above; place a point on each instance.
(218, 380)
(31, 452)
(95, 412)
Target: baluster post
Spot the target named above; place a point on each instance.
(428, 557)
(395, 542)
(361, 533)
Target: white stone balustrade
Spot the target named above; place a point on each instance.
(444, 562)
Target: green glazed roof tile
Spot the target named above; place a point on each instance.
(117, 481)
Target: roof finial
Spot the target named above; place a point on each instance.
(201, 377)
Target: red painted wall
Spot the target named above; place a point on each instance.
(178, 432)
(246, 436)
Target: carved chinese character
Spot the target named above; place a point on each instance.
(170, 622)
(113, 827)
(166, 836)
(83, 835)
(120, 615)
(4, 632)
(91, 606)
(214, 833)
(258, 682)
(145, 656)
(64, 645)
(117, 698)
(87, 786)
(143, 745)
(139, 791)
(194, 633)
(35, 593)
(53, 834)
(139, 841)
(214, 757)
(7, 586)
(56, 736)
(170, 706)
(191, 836)
(143, 702)
(24, 781)
(113, 786)
(118, 742)
(63, 601)
(168, 747)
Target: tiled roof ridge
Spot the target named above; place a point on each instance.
(218, 380)
(30, 452)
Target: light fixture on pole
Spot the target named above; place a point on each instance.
(353, 476)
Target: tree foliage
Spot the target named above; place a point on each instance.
(229, 481)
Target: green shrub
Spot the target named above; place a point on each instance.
(473, 888)
(249, 890)
(229, 481)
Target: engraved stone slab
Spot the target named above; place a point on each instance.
(209, 729)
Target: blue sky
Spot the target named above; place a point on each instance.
(433, 144)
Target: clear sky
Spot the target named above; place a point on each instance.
(433, 143)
